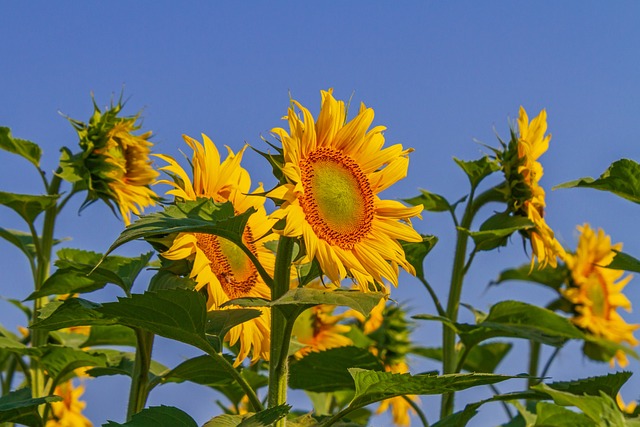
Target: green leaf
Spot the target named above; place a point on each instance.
(165, 279)
(234, 392)
(621, 178)
(261, 419)
(415, 253)
(477, 170)
(373, 386)
(602, 409)
(481, 358)
(157, 416)
(460, 418)
(27, 149)
(110, 335)
(200, 370)
(495, 231)
(77, 272)
(554, 278)
(21, 240)
(19, 407)
(548, 414)
(603, 350)
(624, 261)
(219, 322)
(59, 361)
(326, 371)
(360, 301)
(122, 363)
(609, 384)
(176, 314)
(70, 312)
(430, 202)
(520, 320)
(26, 205)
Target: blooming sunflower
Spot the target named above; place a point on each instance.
(318, 329)
(115, 165)
(526, 197)
(334, 171)
(68, 411)
(400, 408)
(596, 291)
(219, 265)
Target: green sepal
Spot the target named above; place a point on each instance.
(27, 149)
(621, 178)
(157, 416)
(19, 407)
(326, 371)
(28, 206)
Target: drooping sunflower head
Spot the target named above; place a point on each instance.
(334, 171)
(114, 164)
(68, 411)
(319, 329)
(392, 336)
(525, 196)
(216, 264)
(596, 291)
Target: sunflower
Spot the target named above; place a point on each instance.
(220, 266)
(526, 197)
(629, 408)
(596, 291)
(114, 165)
(334, 171)
(399, 406)
(68, 411)
(318, 329)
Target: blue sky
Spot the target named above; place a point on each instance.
(438, 74)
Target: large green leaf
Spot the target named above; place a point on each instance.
(101, 335)
(548, 414)
(609, 384)
(515, 319)
(165, 279)
(477, 170)
(123, 363)
(602, 409)
(495, 231)
(624, 261)
(59, 361)
(20, 239)
(19, 407)
(27, 149)
(374, 386)
(481, 358)
(326, 371)
(219, 322)
(360, 301)
(202, 370)
(71, 312)
(261, 419)
(77, 272)
(28, 206)
(551, 277)
(621, 178)
(430, 202)
(415, 252)
(176, 314)
(157, 416)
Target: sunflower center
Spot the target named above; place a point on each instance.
(596, 292)
(338, 200)
(229, 263)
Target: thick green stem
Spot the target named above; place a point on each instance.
(39, 337)
(140, 378)
(460, 266)
(280, 328)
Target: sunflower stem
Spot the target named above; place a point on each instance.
(140, 377)
(39, 337)
(460, 267)
(278, 369)
(534, 361)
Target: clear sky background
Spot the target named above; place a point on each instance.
(438, 74)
